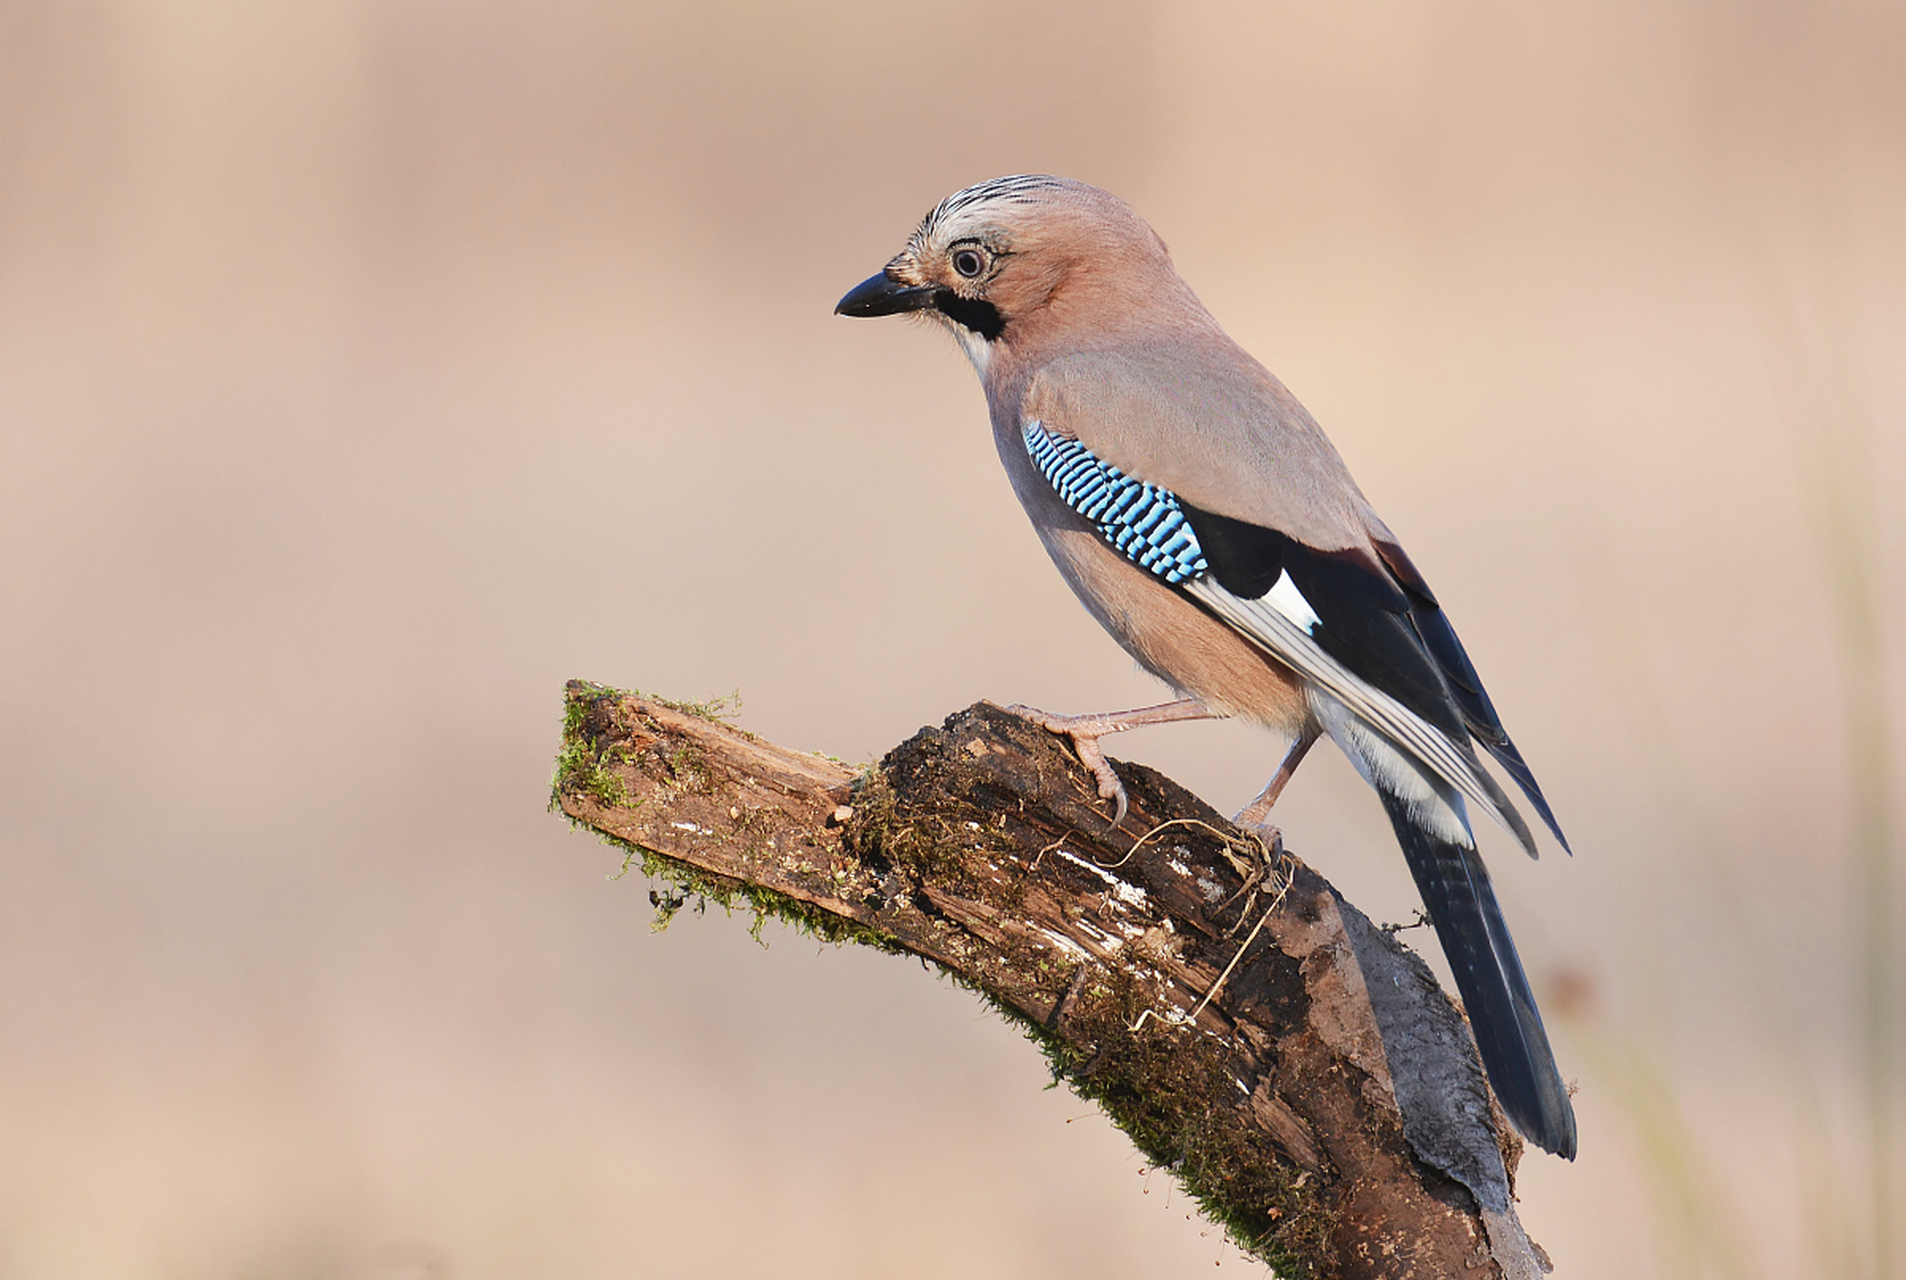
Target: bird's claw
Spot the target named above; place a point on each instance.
(1085, 732)
(1270, 847)
(1110, 786)
(1272, 838)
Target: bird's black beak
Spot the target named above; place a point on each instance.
(882, 295)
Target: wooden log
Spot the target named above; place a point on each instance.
(1295, 1066)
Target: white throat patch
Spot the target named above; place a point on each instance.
(977, 348)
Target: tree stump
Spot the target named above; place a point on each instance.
(1293, 1065)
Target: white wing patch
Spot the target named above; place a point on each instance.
(1290, 602)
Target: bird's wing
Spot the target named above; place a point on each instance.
(1438, 637)
(1340, 618)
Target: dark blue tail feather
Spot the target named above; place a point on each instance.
(1508, 1028)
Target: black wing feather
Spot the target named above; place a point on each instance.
(1385, 626)
(1479, 713)
(1366, 614)
(1245, 558)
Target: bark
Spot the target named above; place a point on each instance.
(1214, 996)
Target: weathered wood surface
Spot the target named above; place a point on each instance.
(1214, 997)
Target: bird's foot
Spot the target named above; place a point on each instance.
(1265, 848)
(1268, 836)
(1085, 732)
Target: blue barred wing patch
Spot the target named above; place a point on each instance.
(1142, 520)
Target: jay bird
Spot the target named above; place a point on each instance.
(1202, 517)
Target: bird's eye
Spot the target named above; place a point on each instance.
(969, 262)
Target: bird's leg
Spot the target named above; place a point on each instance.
(1252, 817)
(1085, 732)
(1257, 813)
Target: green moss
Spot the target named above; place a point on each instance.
(881, 837)
(587, 755)
(688, 769)
(1172, 1090)
(683, 885)
(720, 710)
(594, 742)
(941, 844)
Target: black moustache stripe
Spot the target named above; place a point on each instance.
(982, 318)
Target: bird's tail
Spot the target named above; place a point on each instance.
(1515, 1049)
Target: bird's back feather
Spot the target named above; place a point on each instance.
(1193, 413)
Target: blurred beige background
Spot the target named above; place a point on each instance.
(366, 370)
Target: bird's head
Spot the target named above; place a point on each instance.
(1012, 257)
